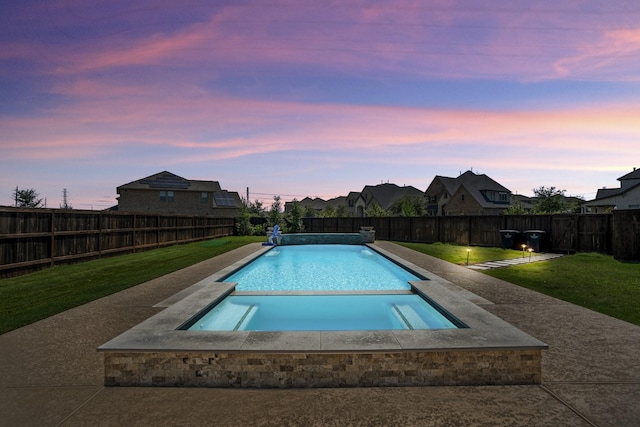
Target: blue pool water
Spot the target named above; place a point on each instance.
(361, 290)
(322, 313)
(322, 268)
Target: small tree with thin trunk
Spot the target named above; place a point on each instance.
(26, 198)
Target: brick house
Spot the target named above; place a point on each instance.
(468, 194)
(166, 193)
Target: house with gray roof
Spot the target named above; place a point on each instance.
(385, 195)
(625, 197)
(167, 193)
(468, 194)
(316, 204)
(357, 203)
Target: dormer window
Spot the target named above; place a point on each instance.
(496, 196)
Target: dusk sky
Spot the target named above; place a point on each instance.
(316, 98)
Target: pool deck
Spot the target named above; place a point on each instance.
(51, 373)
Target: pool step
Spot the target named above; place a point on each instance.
(246, 317)
(409, 317)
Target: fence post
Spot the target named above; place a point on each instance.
(133, 233)
(99, 244)
(52, 240)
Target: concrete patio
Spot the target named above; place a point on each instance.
(51, 373)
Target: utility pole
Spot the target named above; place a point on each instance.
(247, 196)
(65, 203)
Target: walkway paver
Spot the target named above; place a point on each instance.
(52, 375)
(515, 261)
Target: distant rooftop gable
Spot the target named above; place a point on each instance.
(631, 175)
(628, 182)
(387, 194)
(480, 186)
(168, 181)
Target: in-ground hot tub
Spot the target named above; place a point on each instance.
(158, 352)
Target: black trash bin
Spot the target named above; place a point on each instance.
(534, 238)
(508, 238)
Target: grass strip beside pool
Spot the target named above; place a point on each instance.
(591, 280)
(26, 299)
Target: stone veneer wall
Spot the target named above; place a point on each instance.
(289, 370)
(322, 238)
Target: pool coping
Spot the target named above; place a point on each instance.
(485, 332)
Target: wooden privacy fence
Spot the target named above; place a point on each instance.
(617, 234)
(33, 238)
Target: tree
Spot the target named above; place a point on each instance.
(375, 210)
(549, 201)
(309, 212)
(243, 222)
(515, 209)
(256, 208)
(409, 206)
(342, 211)
(294, 218)
(248, 211)
(274, 217)
(26, 198)
(328, 212)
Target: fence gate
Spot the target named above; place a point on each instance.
(564, 233)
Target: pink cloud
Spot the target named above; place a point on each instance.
(438, 40)
(617, 53)
(231, 128)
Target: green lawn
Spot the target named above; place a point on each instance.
(458, 254)
(591, 280)
(26, 299)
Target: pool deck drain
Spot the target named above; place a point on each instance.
(515, 261)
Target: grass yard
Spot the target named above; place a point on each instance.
(458, 254)
(594, 281)
(26, 299)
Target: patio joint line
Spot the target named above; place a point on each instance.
(82, 405)
(568, 405)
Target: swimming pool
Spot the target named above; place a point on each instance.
(322, 313)
(322, 268)
(160, 352)
(301, 270)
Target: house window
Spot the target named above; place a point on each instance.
(169, 196)
(163, 196)
(204, 197)
(496, 196)
(462, 197)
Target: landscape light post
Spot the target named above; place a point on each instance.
(530, 251)
(468, 251)
(523, 248)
